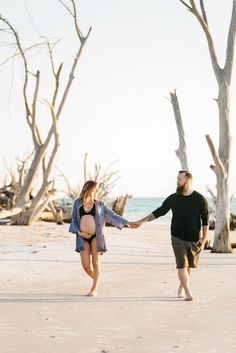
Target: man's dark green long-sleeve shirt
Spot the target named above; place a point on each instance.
(189, 213)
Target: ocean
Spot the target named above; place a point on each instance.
(137, 208)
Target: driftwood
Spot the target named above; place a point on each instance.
(6, 199)
(208, 245)
(55, 212)
(12, 212)
(232, 223)
(62, 213)
(9, 193)
(212, 212)
(118, 205)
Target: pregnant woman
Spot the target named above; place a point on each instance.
(88, 221)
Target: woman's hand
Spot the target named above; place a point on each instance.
(84, 234)
(134, 225)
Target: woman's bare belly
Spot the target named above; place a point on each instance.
(87, 224)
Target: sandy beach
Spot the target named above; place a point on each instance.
(43, 307)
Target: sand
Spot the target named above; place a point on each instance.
(43, 307)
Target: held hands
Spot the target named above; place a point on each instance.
(134, 225)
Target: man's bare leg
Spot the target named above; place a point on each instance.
(184, 280)
(181, 292)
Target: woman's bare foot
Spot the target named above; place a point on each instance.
(92, 293)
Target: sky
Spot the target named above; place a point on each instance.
(118, 108)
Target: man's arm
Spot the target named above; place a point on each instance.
(203, 238)
(160, 211)
(148, 218)
(205, 221)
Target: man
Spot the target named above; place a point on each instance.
(189, 214)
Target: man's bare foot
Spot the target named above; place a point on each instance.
(188, 299)
(181, 292)
(93, 293)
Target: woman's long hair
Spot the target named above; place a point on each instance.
(87, 190)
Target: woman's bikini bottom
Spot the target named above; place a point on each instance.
(89, 240)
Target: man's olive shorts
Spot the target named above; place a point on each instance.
(186, 253)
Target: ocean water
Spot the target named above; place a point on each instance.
(137, 208)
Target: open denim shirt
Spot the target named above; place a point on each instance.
(103, 214)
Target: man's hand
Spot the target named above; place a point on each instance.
(201, 242)
(134, 225)
(203, 239)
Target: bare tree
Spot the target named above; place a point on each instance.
(221, 158)
(107, 178)
(61, 210)
(48, 146)
(182, 149)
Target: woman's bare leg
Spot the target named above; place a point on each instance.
(85, 259)
(96, 269)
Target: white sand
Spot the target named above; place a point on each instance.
(43, 308)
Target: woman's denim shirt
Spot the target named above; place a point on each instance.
(102, 214)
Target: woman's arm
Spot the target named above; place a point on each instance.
(116, 220)
(74, 226)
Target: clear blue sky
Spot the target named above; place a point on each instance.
(137, 52)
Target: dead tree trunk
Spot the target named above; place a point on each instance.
(118, 205)
(55, 108)
(182, 149)
(221, 159)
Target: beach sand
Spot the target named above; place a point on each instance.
(43, 307)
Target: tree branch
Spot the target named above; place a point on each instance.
(230, 46)
(204, 25)
(67, 7)
(80, 35)
(185, 4)
(24, 61)
(73, 13)
(71, 75)
(14, 211)
(218, 164)
(33, 126)
(18, 53)
(85, 167)
(204, 15)
(181, 151)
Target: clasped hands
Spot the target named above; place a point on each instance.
(134, 225)
(84, 234)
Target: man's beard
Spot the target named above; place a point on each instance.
(180, 189)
